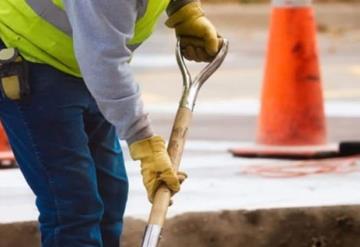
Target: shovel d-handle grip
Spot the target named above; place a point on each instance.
(162, 197)
(192, 86)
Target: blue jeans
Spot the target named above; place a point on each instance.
(71, 158)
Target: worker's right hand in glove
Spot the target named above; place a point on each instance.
(199, 40)
(156, 167)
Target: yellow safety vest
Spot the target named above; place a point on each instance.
(48, 40)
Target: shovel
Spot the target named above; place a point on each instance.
(176, 144)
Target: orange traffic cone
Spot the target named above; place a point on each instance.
(291, 122)
(7, 159)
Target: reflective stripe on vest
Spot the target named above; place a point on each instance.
(52, 13)
(42, 33)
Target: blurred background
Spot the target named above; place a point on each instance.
(230, 98)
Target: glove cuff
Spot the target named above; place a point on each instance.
(188, 12)
(147, 147)
(175, 5)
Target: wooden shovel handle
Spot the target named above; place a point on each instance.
(178, 135)
(175, 150)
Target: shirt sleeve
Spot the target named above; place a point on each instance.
(101, 30)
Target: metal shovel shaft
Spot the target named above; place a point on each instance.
(152, 235)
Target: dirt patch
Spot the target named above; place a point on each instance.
(303, 227)
(19, 234)
(297, 227)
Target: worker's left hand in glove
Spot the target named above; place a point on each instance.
(199, 40)
(156, 167)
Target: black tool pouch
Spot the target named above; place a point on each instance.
(13, 75)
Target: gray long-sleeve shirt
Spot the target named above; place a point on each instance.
(101, 31)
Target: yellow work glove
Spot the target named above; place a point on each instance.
(199, 40)
(156, 167)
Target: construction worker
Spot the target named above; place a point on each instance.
(68, 93)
